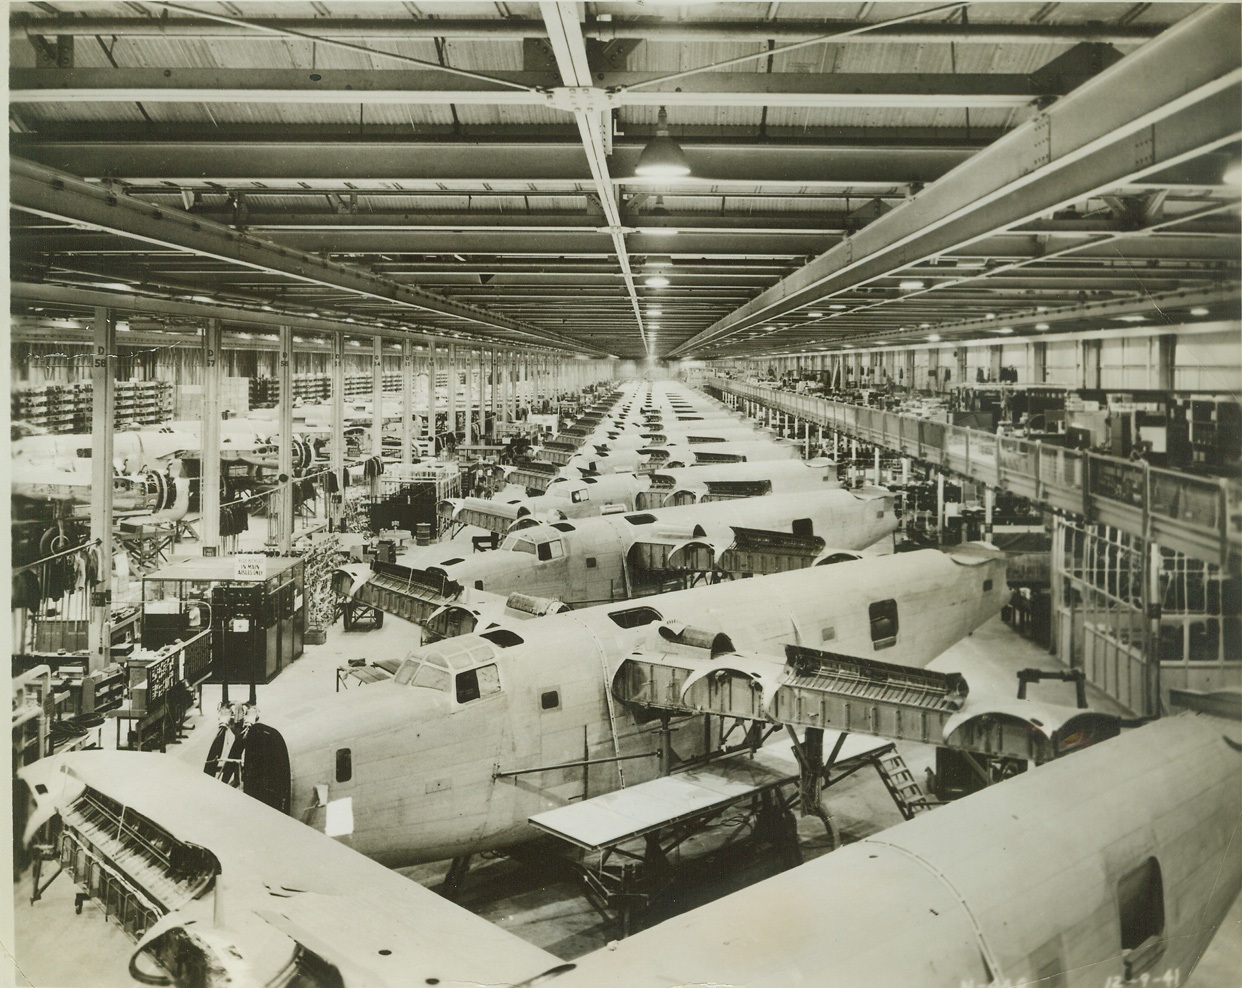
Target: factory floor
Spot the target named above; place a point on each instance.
(533, 897)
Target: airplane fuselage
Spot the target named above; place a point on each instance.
(417, 764)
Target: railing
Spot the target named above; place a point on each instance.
(1199, 516)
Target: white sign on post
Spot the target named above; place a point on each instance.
(249, 566)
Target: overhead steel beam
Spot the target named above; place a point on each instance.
(396, 242)
(23, 25)
(61, 196)
(1137, 116)
(461, 164)
(387, 86)
(85, 299)
(595, 128)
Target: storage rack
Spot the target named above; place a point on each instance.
(64, 408)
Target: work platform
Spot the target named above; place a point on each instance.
(630, 836)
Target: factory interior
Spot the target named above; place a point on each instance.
(625, 494)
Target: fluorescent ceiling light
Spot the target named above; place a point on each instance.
(838, 306)
(910, 285)
(1041, 326)
(814, 315)
(1199, 310)
(1133, 318)
(934, 338)
(990, 315)
(1003, 329)
(1233, 174)
(656, 281)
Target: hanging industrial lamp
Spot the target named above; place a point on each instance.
(663, 156)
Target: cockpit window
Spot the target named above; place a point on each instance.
(433, 666)
(517, 544)
(477, 683)
(550, 550)
(577, 497)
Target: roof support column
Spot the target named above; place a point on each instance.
(377, 408)
(431, 395)
(103, 398)
(209, 454)
(453, 379)
(407, 402)
(336, 440)
(284, 456)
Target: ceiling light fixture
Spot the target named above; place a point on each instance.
(1199, 310)
(122, 326)
(934, 338)
(838, 306)
(910, 285)
(1233, 174)
(1042, 326)
(990, 315)
(1004, 329)
(656, 281)
(1133, 318)
(663, 156)
(660, 211)
(814, 315)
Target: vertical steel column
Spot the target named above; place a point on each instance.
(209, 455)
(407, 402)
(377, 396)
(989, 504)
(453, 379)
(103, 400)
(377, 407)
(284, 454)
(877, 465)
(431, 394)
(939, 508)
(467, 434)
(481, 431)
(336, 457)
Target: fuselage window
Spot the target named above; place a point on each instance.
(987, 585)
(883, 623)
(475, 683)
(577, 497)
(550, 550)
(550, 700)
(643, 519)
(502, 637)
(633, 617)
(524, 545)
(344, 765)
(1140, 904)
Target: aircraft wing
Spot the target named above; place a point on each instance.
(493, 516)
(248, 894)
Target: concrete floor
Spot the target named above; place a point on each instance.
(535, 898)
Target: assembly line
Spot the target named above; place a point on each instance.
(625, 494)
(570, 673)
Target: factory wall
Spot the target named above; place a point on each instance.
(1204, 357)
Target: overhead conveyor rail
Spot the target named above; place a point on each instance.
(699, 674)
(1200, 516)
